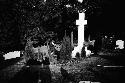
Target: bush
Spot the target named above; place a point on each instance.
(66, 49)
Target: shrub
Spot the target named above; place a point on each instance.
(66, 49)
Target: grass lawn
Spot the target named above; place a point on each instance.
(86, 70)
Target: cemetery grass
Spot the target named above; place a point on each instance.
(84, 69)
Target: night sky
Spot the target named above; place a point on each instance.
(110, 19)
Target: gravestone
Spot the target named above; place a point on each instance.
(81, 23)
(85, 82)
(41, 52)
(12, 55)
(120, 44)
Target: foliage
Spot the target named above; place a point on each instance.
(66, 49)
(46, 15)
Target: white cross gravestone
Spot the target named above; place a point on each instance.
(81, 22)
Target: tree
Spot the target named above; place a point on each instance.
(46, 15)
(66, 49)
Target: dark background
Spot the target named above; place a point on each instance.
(109, 18)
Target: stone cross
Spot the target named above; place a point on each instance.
(81, 22)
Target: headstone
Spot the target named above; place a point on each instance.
(41, 52)
(95, 82)
(12, 55)
(120, 44)
(44, 50)
(88, 52)
(85, 82)
(80, 1)
(88, 82)
(81, 22)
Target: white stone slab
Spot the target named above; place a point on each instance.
(85, 82)
(11, 55)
